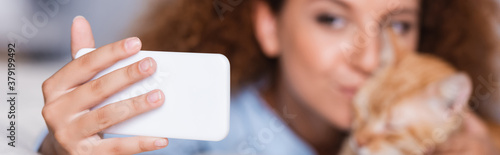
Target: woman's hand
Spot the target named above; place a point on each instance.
(69, 94)
(472, 139)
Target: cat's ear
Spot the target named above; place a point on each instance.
(456, 90)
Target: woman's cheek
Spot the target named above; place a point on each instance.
(312, 69)
(311, 64)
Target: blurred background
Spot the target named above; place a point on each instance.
(44, 28)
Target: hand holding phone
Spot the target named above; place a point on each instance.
(70, 93)
(196, 89)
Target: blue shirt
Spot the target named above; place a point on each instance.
(254, 129)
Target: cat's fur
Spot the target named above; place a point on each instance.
(413, 103)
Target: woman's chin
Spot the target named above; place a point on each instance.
(344, 125)
(341, 120)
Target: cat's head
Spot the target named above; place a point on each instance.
(411, 104)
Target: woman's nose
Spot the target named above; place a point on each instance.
(367, 58)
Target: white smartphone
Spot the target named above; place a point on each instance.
(197, 96)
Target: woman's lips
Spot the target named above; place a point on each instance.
(349, 91)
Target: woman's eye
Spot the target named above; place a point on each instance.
(331, 21)
(401, 27)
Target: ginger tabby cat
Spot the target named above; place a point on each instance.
(412, 103)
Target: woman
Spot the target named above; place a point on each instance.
(296, 65)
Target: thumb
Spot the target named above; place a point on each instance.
(81, 35)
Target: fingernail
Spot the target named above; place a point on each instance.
(154, 97)
(161, 142)
(144, 65)
(132, 44)
(77, 17)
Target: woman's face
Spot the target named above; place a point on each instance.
(328, 48)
